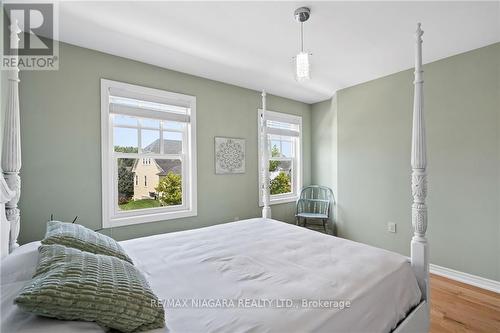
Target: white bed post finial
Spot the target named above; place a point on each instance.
(11, 151)
(419, 246)
(266, 209)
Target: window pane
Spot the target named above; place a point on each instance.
(150, 123)
(275, 147)
(280, 174)
(125, 140)
(149, 183)
(173, 125)
(172, 142)
(169, 189)
(126, 180)
(150, 141)
(119, 119)
(281, 146)
(286, 149)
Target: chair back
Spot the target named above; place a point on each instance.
(315, 199)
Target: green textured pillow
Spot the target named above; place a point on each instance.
(70, 284)
(81, 238)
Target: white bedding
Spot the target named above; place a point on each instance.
(245, 265)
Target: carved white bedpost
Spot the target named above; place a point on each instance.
(419, 246)
(11, 151)
(5, 196)
(266, 209)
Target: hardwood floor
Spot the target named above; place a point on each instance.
(457, 307)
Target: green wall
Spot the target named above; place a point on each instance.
(324, 154)
(360, 147)
(60, 132)
(462, 107)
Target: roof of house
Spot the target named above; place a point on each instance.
(165, 165)
(285, 165)
(169, 147)
(169, 166)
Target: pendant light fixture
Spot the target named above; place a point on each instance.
(302, 63)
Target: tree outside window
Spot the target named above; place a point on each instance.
(280, 172)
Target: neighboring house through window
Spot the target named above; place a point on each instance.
(147, 134)
(284, 135)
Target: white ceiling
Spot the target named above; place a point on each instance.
(251, 44)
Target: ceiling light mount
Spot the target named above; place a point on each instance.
(302, 14)
(302, 62)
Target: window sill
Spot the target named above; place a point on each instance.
(278, 201)
(119, 221)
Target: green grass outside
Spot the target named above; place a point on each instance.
(140, 204)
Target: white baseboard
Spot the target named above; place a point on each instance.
(473, 280)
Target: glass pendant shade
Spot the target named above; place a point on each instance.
(302, 72)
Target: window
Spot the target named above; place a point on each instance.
(150, 135)
(284, 143)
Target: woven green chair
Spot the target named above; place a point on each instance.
(315, 202)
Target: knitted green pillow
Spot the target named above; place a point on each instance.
(70, 284)
(81, 238)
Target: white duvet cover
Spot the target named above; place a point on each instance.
(254, 275)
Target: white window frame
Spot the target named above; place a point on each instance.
(111, 216)
(297, 165)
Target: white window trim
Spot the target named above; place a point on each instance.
(298, 169)
(189, 208)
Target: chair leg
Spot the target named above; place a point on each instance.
(305, 222)
(297, 221)
(324, 225)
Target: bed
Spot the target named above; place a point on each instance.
(267, 267)
(256, 275)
